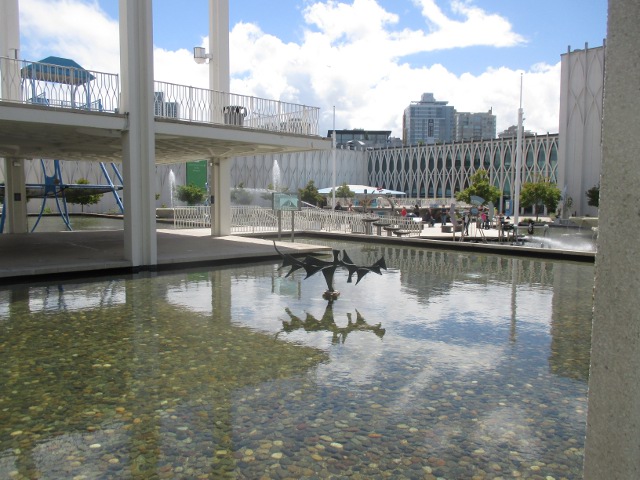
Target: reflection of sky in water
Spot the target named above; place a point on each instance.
(72, 297)
(4, 304)
(194, 295)
(460, 326)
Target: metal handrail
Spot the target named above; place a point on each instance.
(58, 86)
(252, 219)
(50, 85)
(193, 104)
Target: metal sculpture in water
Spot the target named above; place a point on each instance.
(313, 265)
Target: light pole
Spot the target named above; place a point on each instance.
(333, 159)
(518, 179)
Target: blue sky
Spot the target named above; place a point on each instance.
(369, 58)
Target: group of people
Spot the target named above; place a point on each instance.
(340, 207)
(482, 219)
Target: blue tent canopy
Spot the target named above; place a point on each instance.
(57, 70)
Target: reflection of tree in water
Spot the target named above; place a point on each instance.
(327, 323)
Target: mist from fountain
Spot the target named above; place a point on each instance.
(258, 197)
(172, 188)
(275, 176)
(567, 241)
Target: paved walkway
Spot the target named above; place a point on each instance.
(45, 254)
(41, 255)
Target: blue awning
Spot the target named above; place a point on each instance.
(57, 70)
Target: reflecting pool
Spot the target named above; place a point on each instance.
(448, 365)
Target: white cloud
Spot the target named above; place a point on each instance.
(350, 55)
(477, 27)
(71, 29)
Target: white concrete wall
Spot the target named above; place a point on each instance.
(580, 127)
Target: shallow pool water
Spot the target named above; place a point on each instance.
(448, 365)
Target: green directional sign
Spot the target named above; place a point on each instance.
(197, 173)
(286, 202)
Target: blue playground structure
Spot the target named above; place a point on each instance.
(54, 187)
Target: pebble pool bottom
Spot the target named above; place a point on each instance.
(449, 365)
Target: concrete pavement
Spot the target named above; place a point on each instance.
(35, 256)
(40, 255)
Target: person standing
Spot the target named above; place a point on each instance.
(428, 218)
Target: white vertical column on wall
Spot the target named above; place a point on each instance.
(581, 97)
(138, 141)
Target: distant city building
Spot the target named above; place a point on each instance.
(475, 126)
(360, 138)
(512, 132)
(394, 142)
(428, 122)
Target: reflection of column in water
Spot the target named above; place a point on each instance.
(515, 274)
(571, 320)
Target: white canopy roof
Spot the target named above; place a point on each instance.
(362, 189)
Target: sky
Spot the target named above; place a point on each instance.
(367, 59)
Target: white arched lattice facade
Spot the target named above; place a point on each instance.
(429, 171)
(438, 171)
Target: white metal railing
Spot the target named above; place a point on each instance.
(198, 216)
(250, 219)
(208, 106)
(58, 86)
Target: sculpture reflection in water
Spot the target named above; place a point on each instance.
(313, 265)
(327, 323)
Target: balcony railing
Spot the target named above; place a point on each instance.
(76, 88)
(208, 106)
(58, 86)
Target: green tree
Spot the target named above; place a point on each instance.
(593, 196)
(541, 192)
(190, 194)
(480, 187)
(310, 194)
(82, 196)
(344, 192)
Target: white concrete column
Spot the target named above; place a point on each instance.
(9, 30)
(220, 181)
(219, 76)
(138, 141)
(16, 196)
(612, 448)
(15, 193)
(219, 61)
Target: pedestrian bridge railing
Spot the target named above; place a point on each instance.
(192, 104)
(69, 86)
(58, 86)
